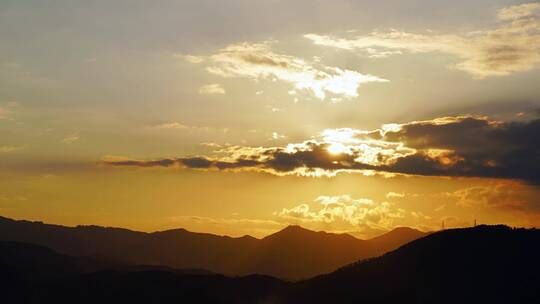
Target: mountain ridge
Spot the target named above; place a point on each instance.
(315, 252)
(484, 264)
(180, 229)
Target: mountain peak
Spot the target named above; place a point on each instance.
(291, 231)
(398, 236)
(404, 230)
(296, 232)
(295, 228)
(400, 231)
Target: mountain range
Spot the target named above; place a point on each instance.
(313, 253)
(484, 264)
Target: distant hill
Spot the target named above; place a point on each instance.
(34, 274)
(34, 261)
(485, 264)
(292, 253)
(397, 237)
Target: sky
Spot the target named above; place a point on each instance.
(242, 117)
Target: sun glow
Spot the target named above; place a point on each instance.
(345, 135)
(337, 148)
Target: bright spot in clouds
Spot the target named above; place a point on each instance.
(337, 148)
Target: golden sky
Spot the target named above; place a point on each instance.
(241, 117)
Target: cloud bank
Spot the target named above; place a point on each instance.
(512, 46)
(344, 210)
(463, 146)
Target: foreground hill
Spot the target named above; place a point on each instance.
(34, 274)
(485, 264)
(292, 253)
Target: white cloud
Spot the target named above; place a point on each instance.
(394, 195)
(174, 125)
(258, 61)
(212, 89)
(171, 125)
(512, 46)
(517, 12)
(343, 209)
(276, 136)
(190, 58)
(70, 139)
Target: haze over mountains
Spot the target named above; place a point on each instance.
(485, 264)
(292, 253)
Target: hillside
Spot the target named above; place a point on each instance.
(485, 264)
(35, 274)
(292, 253)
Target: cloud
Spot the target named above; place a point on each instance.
(234, 225)
(212, 89)
(225, 221)
(175, 125)
(492, 195)
(343, 209)
(420, 215)
(512, 46)
(258, 61)
(466, 146)
(9, 149)
(70, 139)
(470, 146)
(518, 12)
(190, 58)
(277, 136)
(171, 125)
(394, 195)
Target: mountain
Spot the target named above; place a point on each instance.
(34, 261)
(295, 252)
(485, 264)
(35, 274)
(292, 253)
(318, 252)
(397, 237)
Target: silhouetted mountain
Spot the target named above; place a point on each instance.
(34, 261)
(291, 253)
(34, 274)
(397, 237)
(295, 252)
(485, 264)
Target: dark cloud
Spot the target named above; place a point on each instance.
(451, 146)
(196, 162)
(484, 148)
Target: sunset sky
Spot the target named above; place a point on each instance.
(244, 116)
